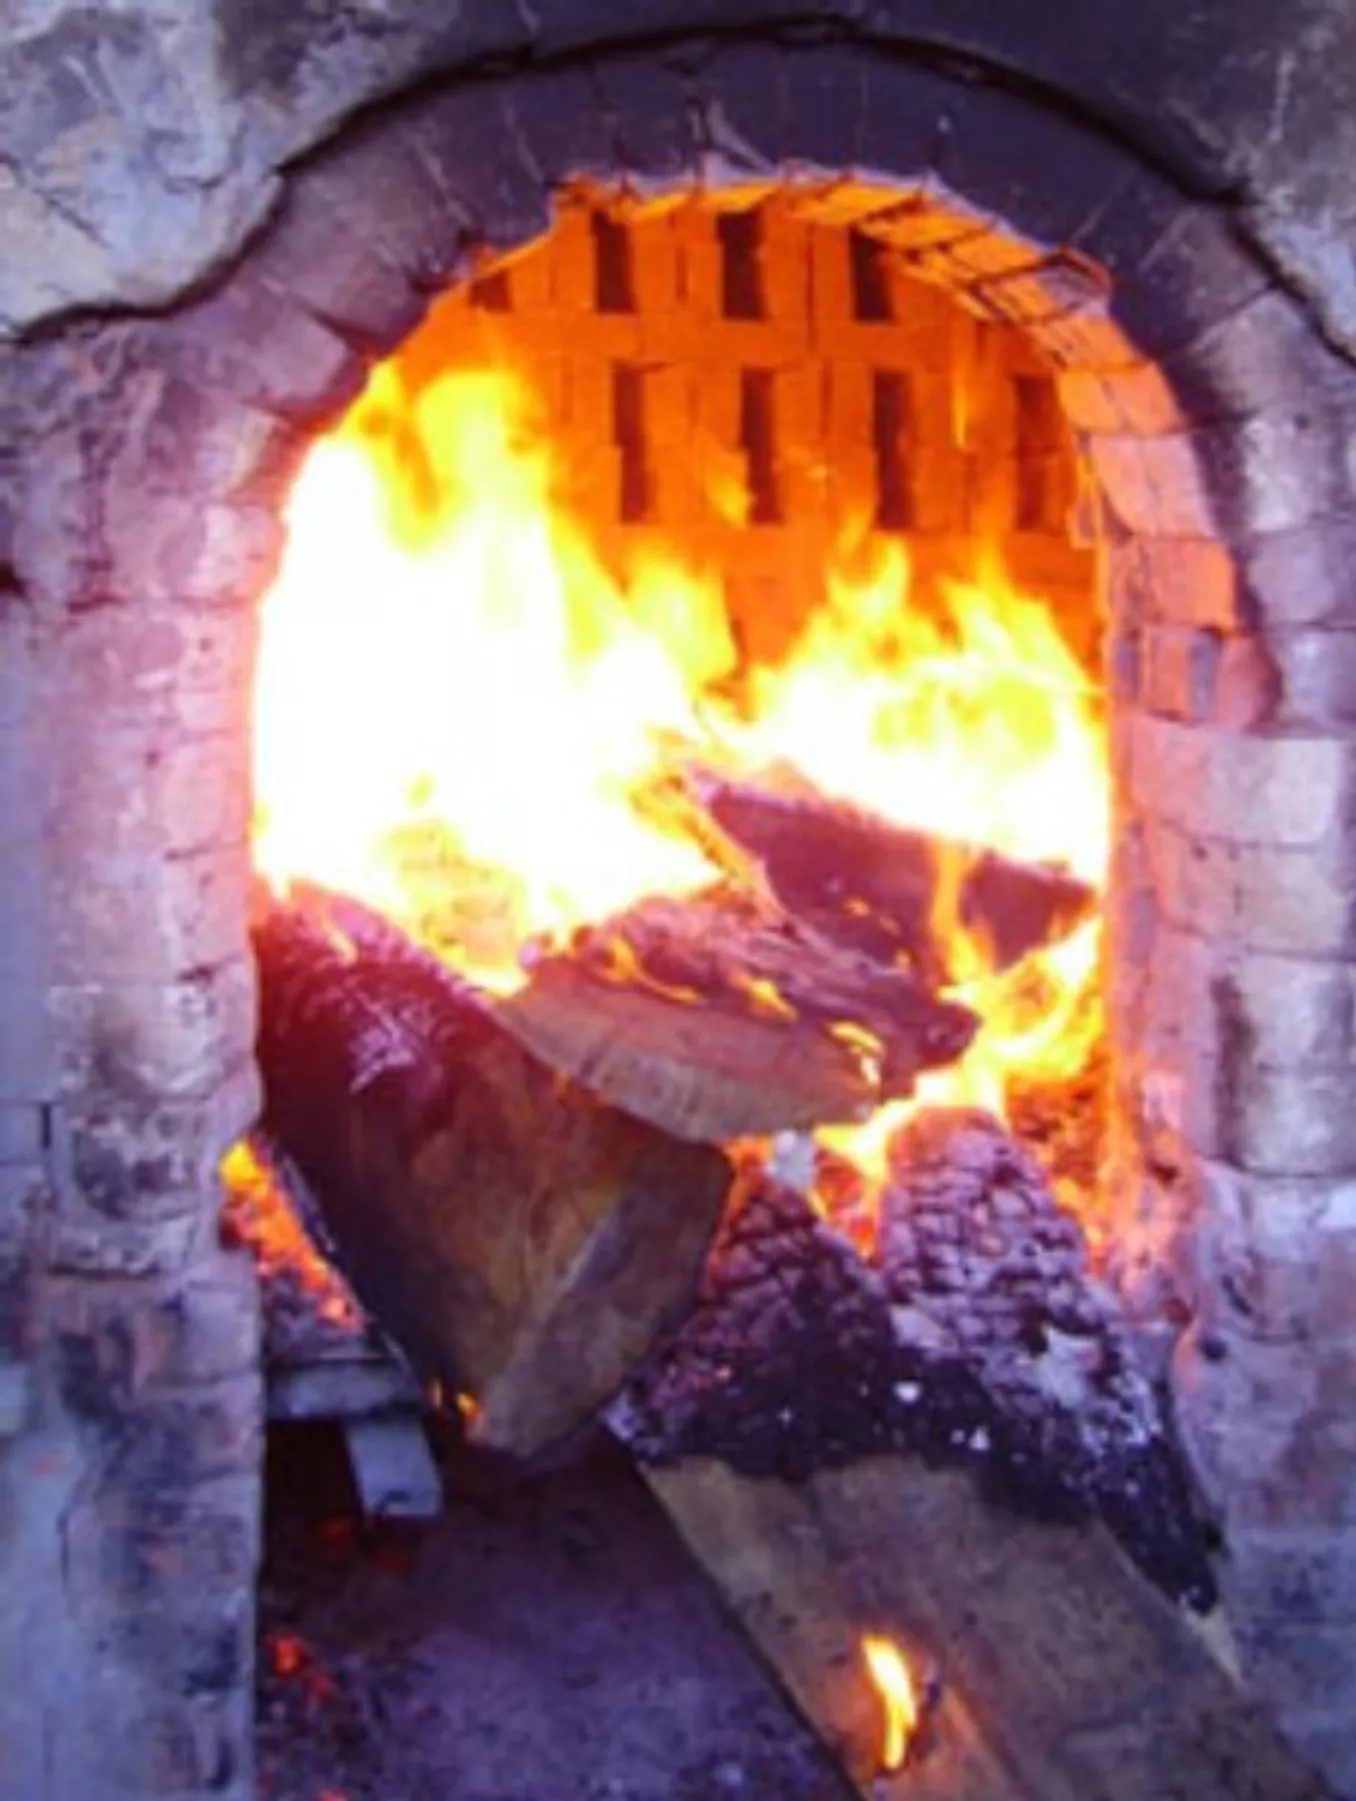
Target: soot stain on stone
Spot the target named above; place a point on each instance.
(1236, 1037)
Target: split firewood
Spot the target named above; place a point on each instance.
(846, 1463)
(521, 1241)
(716, 1017)
(861, 881)
(713, 1015)
(1042, 1664)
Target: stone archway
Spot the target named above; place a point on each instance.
(1218, 427)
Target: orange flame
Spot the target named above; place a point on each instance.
(889, 1672)
(264, 1219)
(460, 710)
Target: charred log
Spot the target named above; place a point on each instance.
(717, 1017)
(875, 887)
(841, 1469)
(801, 1356)
(519, 1239)
(980, 1261)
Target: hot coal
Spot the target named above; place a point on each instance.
(802, 1357)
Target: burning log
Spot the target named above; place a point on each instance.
(873, 886)
(520, 1240)
(717, 1017)
(844, 1447)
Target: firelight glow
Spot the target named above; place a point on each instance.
(459, 710)
(890, 1674)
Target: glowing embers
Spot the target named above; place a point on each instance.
(306, 1294)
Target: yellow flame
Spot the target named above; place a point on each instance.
(890, 1674)
(473, 680)
(461, 709)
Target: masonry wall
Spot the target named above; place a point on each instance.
(141, 468)
(762, 392)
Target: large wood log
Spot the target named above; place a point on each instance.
(873, 886)
(520, 1240)
(717, 1017)
(856, 1445)
(1060, 1674)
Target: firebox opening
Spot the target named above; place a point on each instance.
(683, 693)
(690, 502)
(689, 488)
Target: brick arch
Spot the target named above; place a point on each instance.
(1219, 430)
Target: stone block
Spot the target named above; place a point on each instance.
(1303, 576)
(1247, 684)
(25, 1045)
(1298, 1664)
(378, 180)
(337, 277)
(1239, 788)
(1295, 1576)
(1133, 402)
(1155, 485)
(1282, 1122)
(23, 1132)
(1180, 668)
(152, 792)
(1177, 266)
(170, 1751)
(647, 108)
(16, 1397)
(1275, 1257)
(118, 1345)
(1293, 1011)
(83, 1244)
(1316, 678)
(826, 102)
(19, 660)
(1259, 356)
(184, 670)
(262, 348)
(177, 441)
(1176, 581)
(1268, 1432)
(555, 117)
(999, 147)
(22, 793)
(1293, 901)
(24, 1749)
(138, 1159)
(174, 1038)
(1326, 1740)
(223, 553)
(146, 918)
(466, 138)
(1291, 466)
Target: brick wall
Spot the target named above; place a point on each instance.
(757, 387)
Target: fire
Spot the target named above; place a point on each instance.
(455, 700)
(264, 1219)
(889, 1672)
(461, 707)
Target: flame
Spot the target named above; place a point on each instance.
(461, 709)
(264, 1219)
(888, 1670)
(451, 684)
